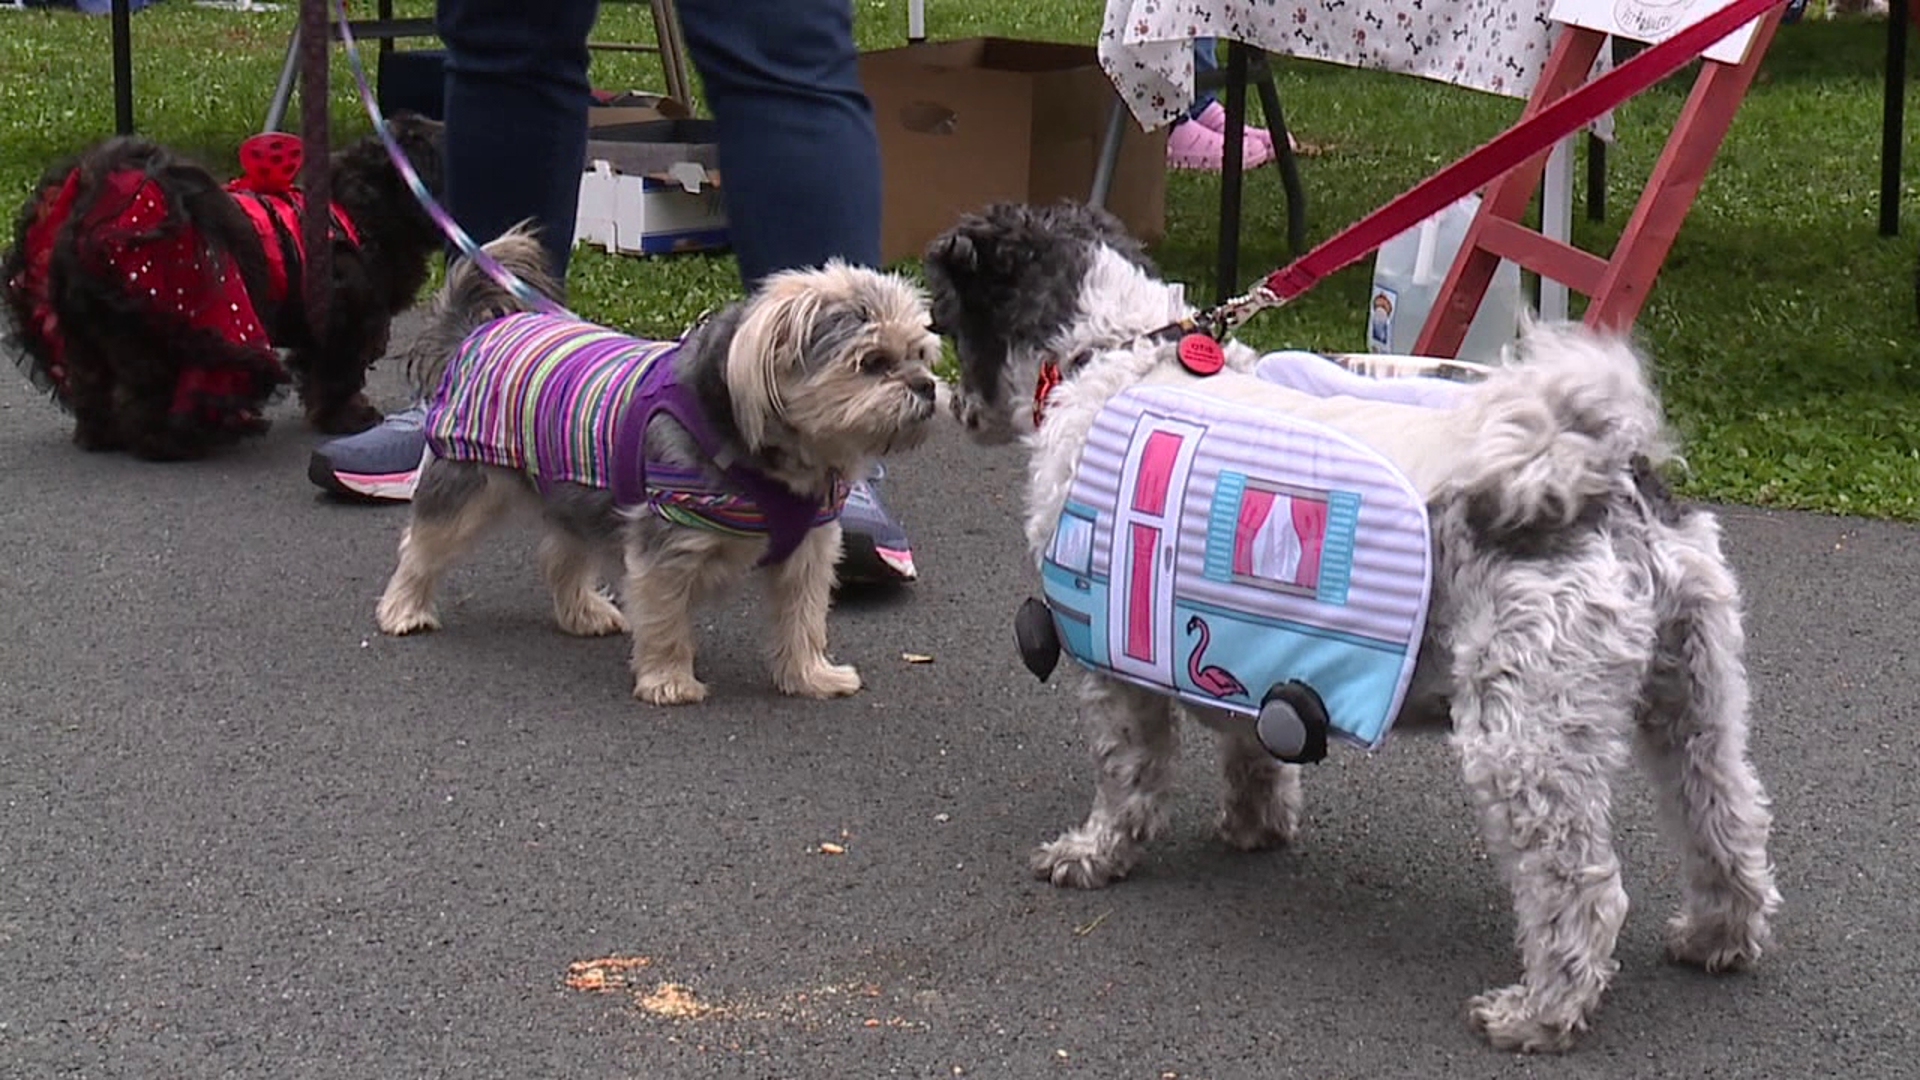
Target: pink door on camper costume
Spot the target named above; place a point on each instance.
(1145, 534)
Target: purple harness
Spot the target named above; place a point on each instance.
(789, 517)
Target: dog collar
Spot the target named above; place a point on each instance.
(1048, 378)
(785, 516)
(1199, 352)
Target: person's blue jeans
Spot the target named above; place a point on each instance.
(1205, 58)
(516, 115)
(797, 146)
(799, 158)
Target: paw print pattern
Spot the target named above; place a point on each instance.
(1498, 46)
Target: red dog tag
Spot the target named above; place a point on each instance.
(1201, 354)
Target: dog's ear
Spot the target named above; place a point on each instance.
(954, 251)
(427, 129)
(423, 141)
(771, 342)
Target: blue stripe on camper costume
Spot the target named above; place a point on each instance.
(1215, 550)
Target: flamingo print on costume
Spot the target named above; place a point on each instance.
(1212, 678)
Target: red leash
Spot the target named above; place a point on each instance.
(1532, 135)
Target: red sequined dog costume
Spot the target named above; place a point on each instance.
(153, 302)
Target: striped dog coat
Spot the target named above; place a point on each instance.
(565, 401)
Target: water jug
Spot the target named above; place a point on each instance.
(1407, 274)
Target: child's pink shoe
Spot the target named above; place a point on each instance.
(1190, 145)
(1214, 117)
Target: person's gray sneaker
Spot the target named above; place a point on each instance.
(382, 462)
(875, 547)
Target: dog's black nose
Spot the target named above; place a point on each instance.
(923, 387)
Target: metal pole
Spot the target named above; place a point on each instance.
(1893, 119)
(1284, 158)
(316, 178)
(283, 88)
(1596, 178)
(123, 66)
(1230, 173)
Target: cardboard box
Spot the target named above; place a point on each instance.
(964, 123)
(651, 185)
(679, 209)
(632, 107)
(651, 146)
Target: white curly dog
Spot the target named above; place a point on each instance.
(1578, 616)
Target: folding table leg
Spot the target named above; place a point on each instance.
(1227, 278)
(122, 30)
(1893, 120)
(316, 174)
(283, 88)
(1285, 160)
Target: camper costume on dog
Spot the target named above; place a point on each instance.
(566, 401)
(1231, 537)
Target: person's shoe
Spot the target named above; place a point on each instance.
(1191, 145)
(1214, 118)
(382, 462)
(875, 547)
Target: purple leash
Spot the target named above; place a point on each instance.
(507, 279)
(789, 516)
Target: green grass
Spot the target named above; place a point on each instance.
(1783, 325)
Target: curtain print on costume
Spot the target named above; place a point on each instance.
(1279, 539)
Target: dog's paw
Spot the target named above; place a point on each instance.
(1073, 861)
(398, 620)
(592, 616)
(97, 438)
(1507, 1021)
(1246, 831)
(677, 688)
(822, 680)
(1255, 817)
(1715, 944)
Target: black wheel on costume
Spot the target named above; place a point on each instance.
(1037, 637)
(1293, 723)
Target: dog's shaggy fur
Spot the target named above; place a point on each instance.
(126, 364)
(1578, 616)
(806, 382)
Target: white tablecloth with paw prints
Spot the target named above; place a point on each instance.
(1499, 46)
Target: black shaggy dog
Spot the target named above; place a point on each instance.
(154, 303)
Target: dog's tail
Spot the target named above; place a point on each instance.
(471, 298)
(1560, 430)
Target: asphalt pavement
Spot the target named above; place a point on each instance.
(244, 835)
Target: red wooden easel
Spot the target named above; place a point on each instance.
(1616, 286)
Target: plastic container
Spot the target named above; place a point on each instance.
(1407, 274)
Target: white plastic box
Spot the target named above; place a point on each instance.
(1408, 273)
(679, 209)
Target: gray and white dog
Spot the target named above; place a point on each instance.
(1578, 615)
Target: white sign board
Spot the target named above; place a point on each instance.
(1652, 21)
